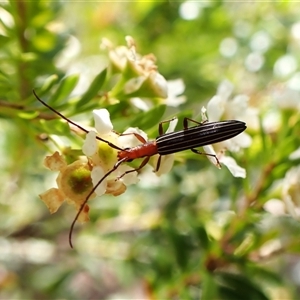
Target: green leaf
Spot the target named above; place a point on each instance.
(66, 86)
(92, 91)
(265, 275)
(28, 115)
(180, 247)
(202, 236)
(3, 40)
(239, 284)
(28, 57)
(209, 287)
(48, 84)
(226, 293)
(57, 127)
(149, 119)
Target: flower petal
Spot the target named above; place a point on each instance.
(133, 84)
(290, 206)
(115, 188)
(142, 104)
(159, 84)
(275, 207)
(97, 174)
(118, 57)
(166, 164)
(84, 215)
(225, 89)
(130, 178)
(103, 123)
(175, 88)
(233, 167)
(238, 106)
(234, 144)
(129, 140)
(295, 154)
(208, 149)
(55, 162)
(215, 108)
(90, 145)
(172, 125)
(53, 199)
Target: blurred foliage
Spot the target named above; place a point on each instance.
(195, 233)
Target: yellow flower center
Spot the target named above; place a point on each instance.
(80, 180)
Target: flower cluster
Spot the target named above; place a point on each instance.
(74, 184)
(288, 190)
(140, 77)
(76, 181)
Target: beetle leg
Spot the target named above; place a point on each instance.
(158, 163)
(160, 126)
(207, 154)
(142, 165)
(186, 121)
(138, 136)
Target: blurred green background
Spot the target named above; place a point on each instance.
(195, 233)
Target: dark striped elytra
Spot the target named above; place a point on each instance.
(197, 136)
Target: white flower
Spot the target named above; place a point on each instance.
(221, 107)
(74, 184)
(152, 84)
(289, 203)
(159, 84)
(275, 207)
(103, 157)
(295, 154)
(231, 109)
(140, 75)
(291, 192)
(175, 90)
(286, 95)
(172, 88)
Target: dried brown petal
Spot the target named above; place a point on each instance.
(55, 162)
(115, 188)
(84, 215)
(53, 199)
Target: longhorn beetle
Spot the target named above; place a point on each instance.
(189, 138)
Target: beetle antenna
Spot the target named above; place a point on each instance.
(117, 164)
(73, 123)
